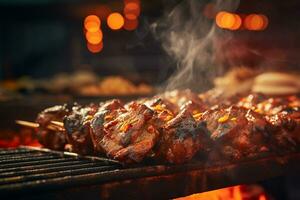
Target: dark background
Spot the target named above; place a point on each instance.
(45, 37)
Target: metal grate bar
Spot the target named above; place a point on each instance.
(49, 169)
(15, 151)
(65, 163)
(37, 162)
(49, 175)
(32, 158)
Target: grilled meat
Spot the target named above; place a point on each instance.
(173, 127)
(106, 113)
(51, 138)
(181, 138)
(77, 128)
(237, 133)
(131, 135)
(181, 97)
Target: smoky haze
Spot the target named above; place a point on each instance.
(188, 38)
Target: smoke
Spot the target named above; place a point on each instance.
(188, 37)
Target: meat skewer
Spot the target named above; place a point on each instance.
(174, 127)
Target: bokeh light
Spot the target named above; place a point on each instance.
(131, 25)
(92, 23)
(95, 48)
(228, 20)
(94, 37)
(115, 21)
(256, 22)
(131, 10)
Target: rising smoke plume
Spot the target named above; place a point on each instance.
(188, 37)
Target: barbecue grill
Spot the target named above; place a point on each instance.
(36, 173)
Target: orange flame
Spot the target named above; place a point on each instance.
(230, 193)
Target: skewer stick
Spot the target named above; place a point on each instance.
(57, 123)
(27, 124)
(34, 125)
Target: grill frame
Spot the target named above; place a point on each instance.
(108, 179)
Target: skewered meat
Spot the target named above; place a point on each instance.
(175, 126)
(283, 113)
(182, 137)
(77, 126)
(181, 97)
(53, 139)
(106, 113)
(237, 132)
(131, 135)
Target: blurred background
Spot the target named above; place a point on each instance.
(46, 39)
(56, 51)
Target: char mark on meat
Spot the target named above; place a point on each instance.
(77, 127)
(49, 138)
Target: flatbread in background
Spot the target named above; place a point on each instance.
(277, 83)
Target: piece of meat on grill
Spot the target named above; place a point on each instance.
(131, 135)
(237, 133)
(77, 128)
(107, 112)
(251, 101)
(163, 108)
(181, 97)
(286, 117)
(51, 138)
(181, 138)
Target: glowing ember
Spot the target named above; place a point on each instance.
(239, 192)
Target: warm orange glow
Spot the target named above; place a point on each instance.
(92, 23)
(230, 193)
(130, 25)
(256, 22)
(132, 1)
(94, 37)
(228, 20)
(262, 197)
(132, 10)
(95, 48)
(115, 21)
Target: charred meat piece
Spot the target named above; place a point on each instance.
(237, 132)
(77, 127)
(107, 112)
(164, 109)
(251, 101)
(272, 106)
(131, 135)
(181, 97)
(181, 138)
(50, 138)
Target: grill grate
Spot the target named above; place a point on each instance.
(26, 171)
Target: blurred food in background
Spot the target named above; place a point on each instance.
(83, 83)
